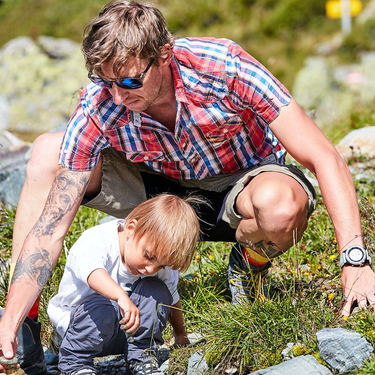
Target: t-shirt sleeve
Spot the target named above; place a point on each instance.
(252, 86)
(88, 254)
(170, 277)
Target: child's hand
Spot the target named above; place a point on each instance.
(181, 340)
(130, 315)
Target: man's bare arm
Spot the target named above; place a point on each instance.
(308, 145)
(36, 263)
(41, 251)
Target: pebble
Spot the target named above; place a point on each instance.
(197, 364)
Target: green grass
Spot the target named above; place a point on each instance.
(305, 297)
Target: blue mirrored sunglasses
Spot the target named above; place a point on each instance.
(124, 83)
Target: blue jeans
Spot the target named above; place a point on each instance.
(94, 329)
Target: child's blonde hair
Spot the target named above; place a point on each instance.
(171, 225)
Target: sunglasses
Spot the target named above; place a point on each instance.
(124, 83)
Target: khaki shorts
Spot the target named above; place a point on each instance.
(125, 185)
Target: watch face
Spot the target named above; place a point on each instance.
(356, 254)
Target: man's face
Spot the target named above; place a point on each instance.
(138, 99)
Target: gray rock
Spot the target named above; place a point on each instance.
(287, 352)
(57, 48)
(165, 366)
(11, 183)
(195, 338)
(358, 142)
(14, 155)
(4, 113)
(342, 349)
(306, 365)
(197, 364)
(40, 82)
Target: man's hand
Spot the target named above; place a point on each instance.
(358, 284)
(8, 345)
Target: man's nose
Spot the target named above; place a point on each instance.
(119, 95)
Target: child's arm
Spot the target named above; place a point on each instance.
(177, 321)
(100, 281)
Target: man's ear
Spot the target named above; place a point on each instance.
(166, 55)
(130, 227)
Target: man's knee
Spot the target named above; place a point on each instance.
(279, 207)
(276, 208)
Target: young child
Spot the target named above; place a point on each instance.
(119, 284)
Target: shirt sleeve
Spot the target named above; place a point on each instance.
(252, 86)
(84, 139)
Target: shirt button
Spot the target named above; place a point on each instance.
(146, 158)
(225, 131)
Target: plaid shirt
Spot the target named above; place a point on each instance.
(225, 102)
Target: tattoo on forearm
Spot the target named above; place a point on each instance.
(67, 189)
(37, 266)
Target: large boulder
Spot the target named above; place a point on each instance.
(360, 142)
(40, 82)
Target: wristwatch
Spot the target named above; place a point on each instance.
(354, 256)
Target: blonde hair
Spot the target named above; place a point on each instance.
(123, 29)
(171, 225)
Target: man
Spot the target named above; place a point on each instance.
(196, 114)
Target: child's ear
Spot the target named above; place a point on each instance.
(130, 227)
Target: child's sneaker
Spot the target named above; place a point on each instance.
(149, 366)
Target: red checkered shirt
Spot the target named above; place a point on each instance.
(225, 102)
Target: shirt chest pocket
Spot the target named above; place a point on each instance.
(219, 136)
(145, 156)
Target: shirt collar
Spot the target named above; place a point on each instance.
(179, 86)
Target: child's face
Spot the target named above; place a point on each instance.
(139, 258)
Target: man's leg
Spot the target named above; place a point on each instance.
(272, 212)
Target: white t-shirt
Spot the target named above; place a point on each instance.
(98, 247)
